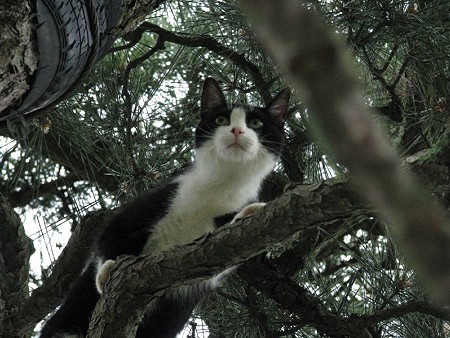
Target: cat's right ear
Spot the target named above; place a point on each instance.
(212, 96)
(279, 106)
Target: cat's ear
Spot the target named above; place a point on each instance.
(279, 106)
(212, 96)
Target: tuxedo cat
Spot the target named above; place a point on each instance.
(236, 147)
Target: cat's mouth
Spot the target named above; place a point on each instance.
(236, 145)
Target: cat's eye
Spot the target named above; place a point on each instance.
(255, 124)
(222, 121)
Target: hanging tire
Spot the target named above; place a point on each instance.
(71, 36)
(108, 14)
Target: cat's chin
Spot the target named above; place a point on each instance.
(237, 153)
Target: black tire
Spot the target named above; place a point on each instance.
(64, 41)
(108, 14)
(71, 36)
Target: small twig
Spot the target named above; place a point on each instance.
(128, 103)
(214, 45)
(419, 306)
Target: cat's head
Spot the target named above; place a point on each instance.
(240, 132)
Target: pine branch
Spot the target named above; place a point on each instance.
(311, 209)
(136, 281)
(214, 45)
(25, 195)
(128, 102)
(319, 68)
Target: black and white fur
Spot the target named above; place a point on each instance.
(236, 147)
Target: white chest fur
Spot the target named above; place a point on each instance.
(214, 187)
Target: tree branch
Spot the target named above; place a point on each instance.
(319, 68)
(25, 195)
(213, 45)
(136, 281)
(316, 213)
(15, 251)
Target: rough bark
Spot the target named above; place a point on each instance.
(135, 281)
(302, 212)
(18, 52)
(15, 251)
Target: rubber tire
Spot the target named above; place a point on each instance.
(65, 42)
(108, 14)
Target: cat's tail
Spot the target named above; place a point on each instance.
(74, 314)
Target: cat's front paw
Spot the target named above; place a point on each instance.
(103, 274)
(248, 210)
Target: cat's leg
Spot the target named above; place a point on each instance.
(72, 318)
(103, 274)
(248, 210)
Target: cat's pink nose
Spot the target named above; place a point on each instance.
(237, 131)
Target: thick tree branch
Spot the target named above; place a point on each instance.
(139, 282)
(319, 68)
(55, 288)
(15, 251)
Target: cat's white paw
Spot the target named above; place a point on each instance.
(248, 210)
(103, 274)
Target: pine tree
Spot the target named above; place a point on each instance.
(332, 267)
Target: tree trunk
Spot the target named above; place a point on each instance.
(15, 251)
(18, 51)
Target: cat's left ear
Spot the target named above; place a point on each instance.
(279, 106)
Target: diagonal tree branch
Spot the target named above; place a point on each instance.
(44, 299)
(319, 68)
(298, 209)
